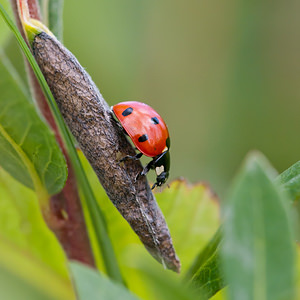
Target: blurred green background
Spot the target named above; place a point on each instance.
(224, 75)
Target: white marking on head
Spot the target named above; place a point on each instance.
(165, 149)
(159, 170)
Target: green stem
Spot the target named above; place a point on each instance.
(96, 214)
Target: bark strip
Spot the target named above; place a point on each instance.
(103, 143)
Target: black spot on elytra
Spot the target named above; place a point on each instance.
(127, 111)
(143, 138)
(155, 120)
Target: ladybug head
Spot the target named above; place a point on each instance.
(162, 167)
(161, 179)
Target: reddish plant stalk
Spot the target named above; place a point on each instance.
(66, 216)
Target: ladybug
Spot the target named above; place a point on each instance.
(150, 135)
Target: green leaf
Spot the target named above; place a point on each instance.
(22, 277)
(29, 151)
(179, 203)
(164, 286)
(208, 280)
(96, 216)
(91, 284)
(210, 250)
(205, 271)
(289, 181)
(258, 248)
(29, 252)
(192, 214)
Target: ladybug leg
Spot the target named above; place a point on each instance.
(154, 185)
(148, 167)
(135, 157)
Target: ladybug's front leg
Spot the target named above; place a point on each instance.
(149, 166)
(135, 157)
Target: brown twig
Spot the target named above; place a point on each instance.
(67, 220)
(103, 142)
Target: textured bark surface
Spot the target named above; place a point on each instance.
(103, 142)
(71, 231)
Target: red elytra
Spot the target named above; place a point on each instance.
(144, 125)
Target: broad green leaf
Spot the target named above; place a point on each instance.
(208, 280)
(97, 218)
(289, 181)
(206, 275)
(28, 149)
(258, 249)
(192, 214)
(91, 284)
(23, 277)
(34, 248)
(164, 286)
(209, 250)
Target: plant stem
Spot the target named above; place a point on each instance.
(70, 231)
(67, 202)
